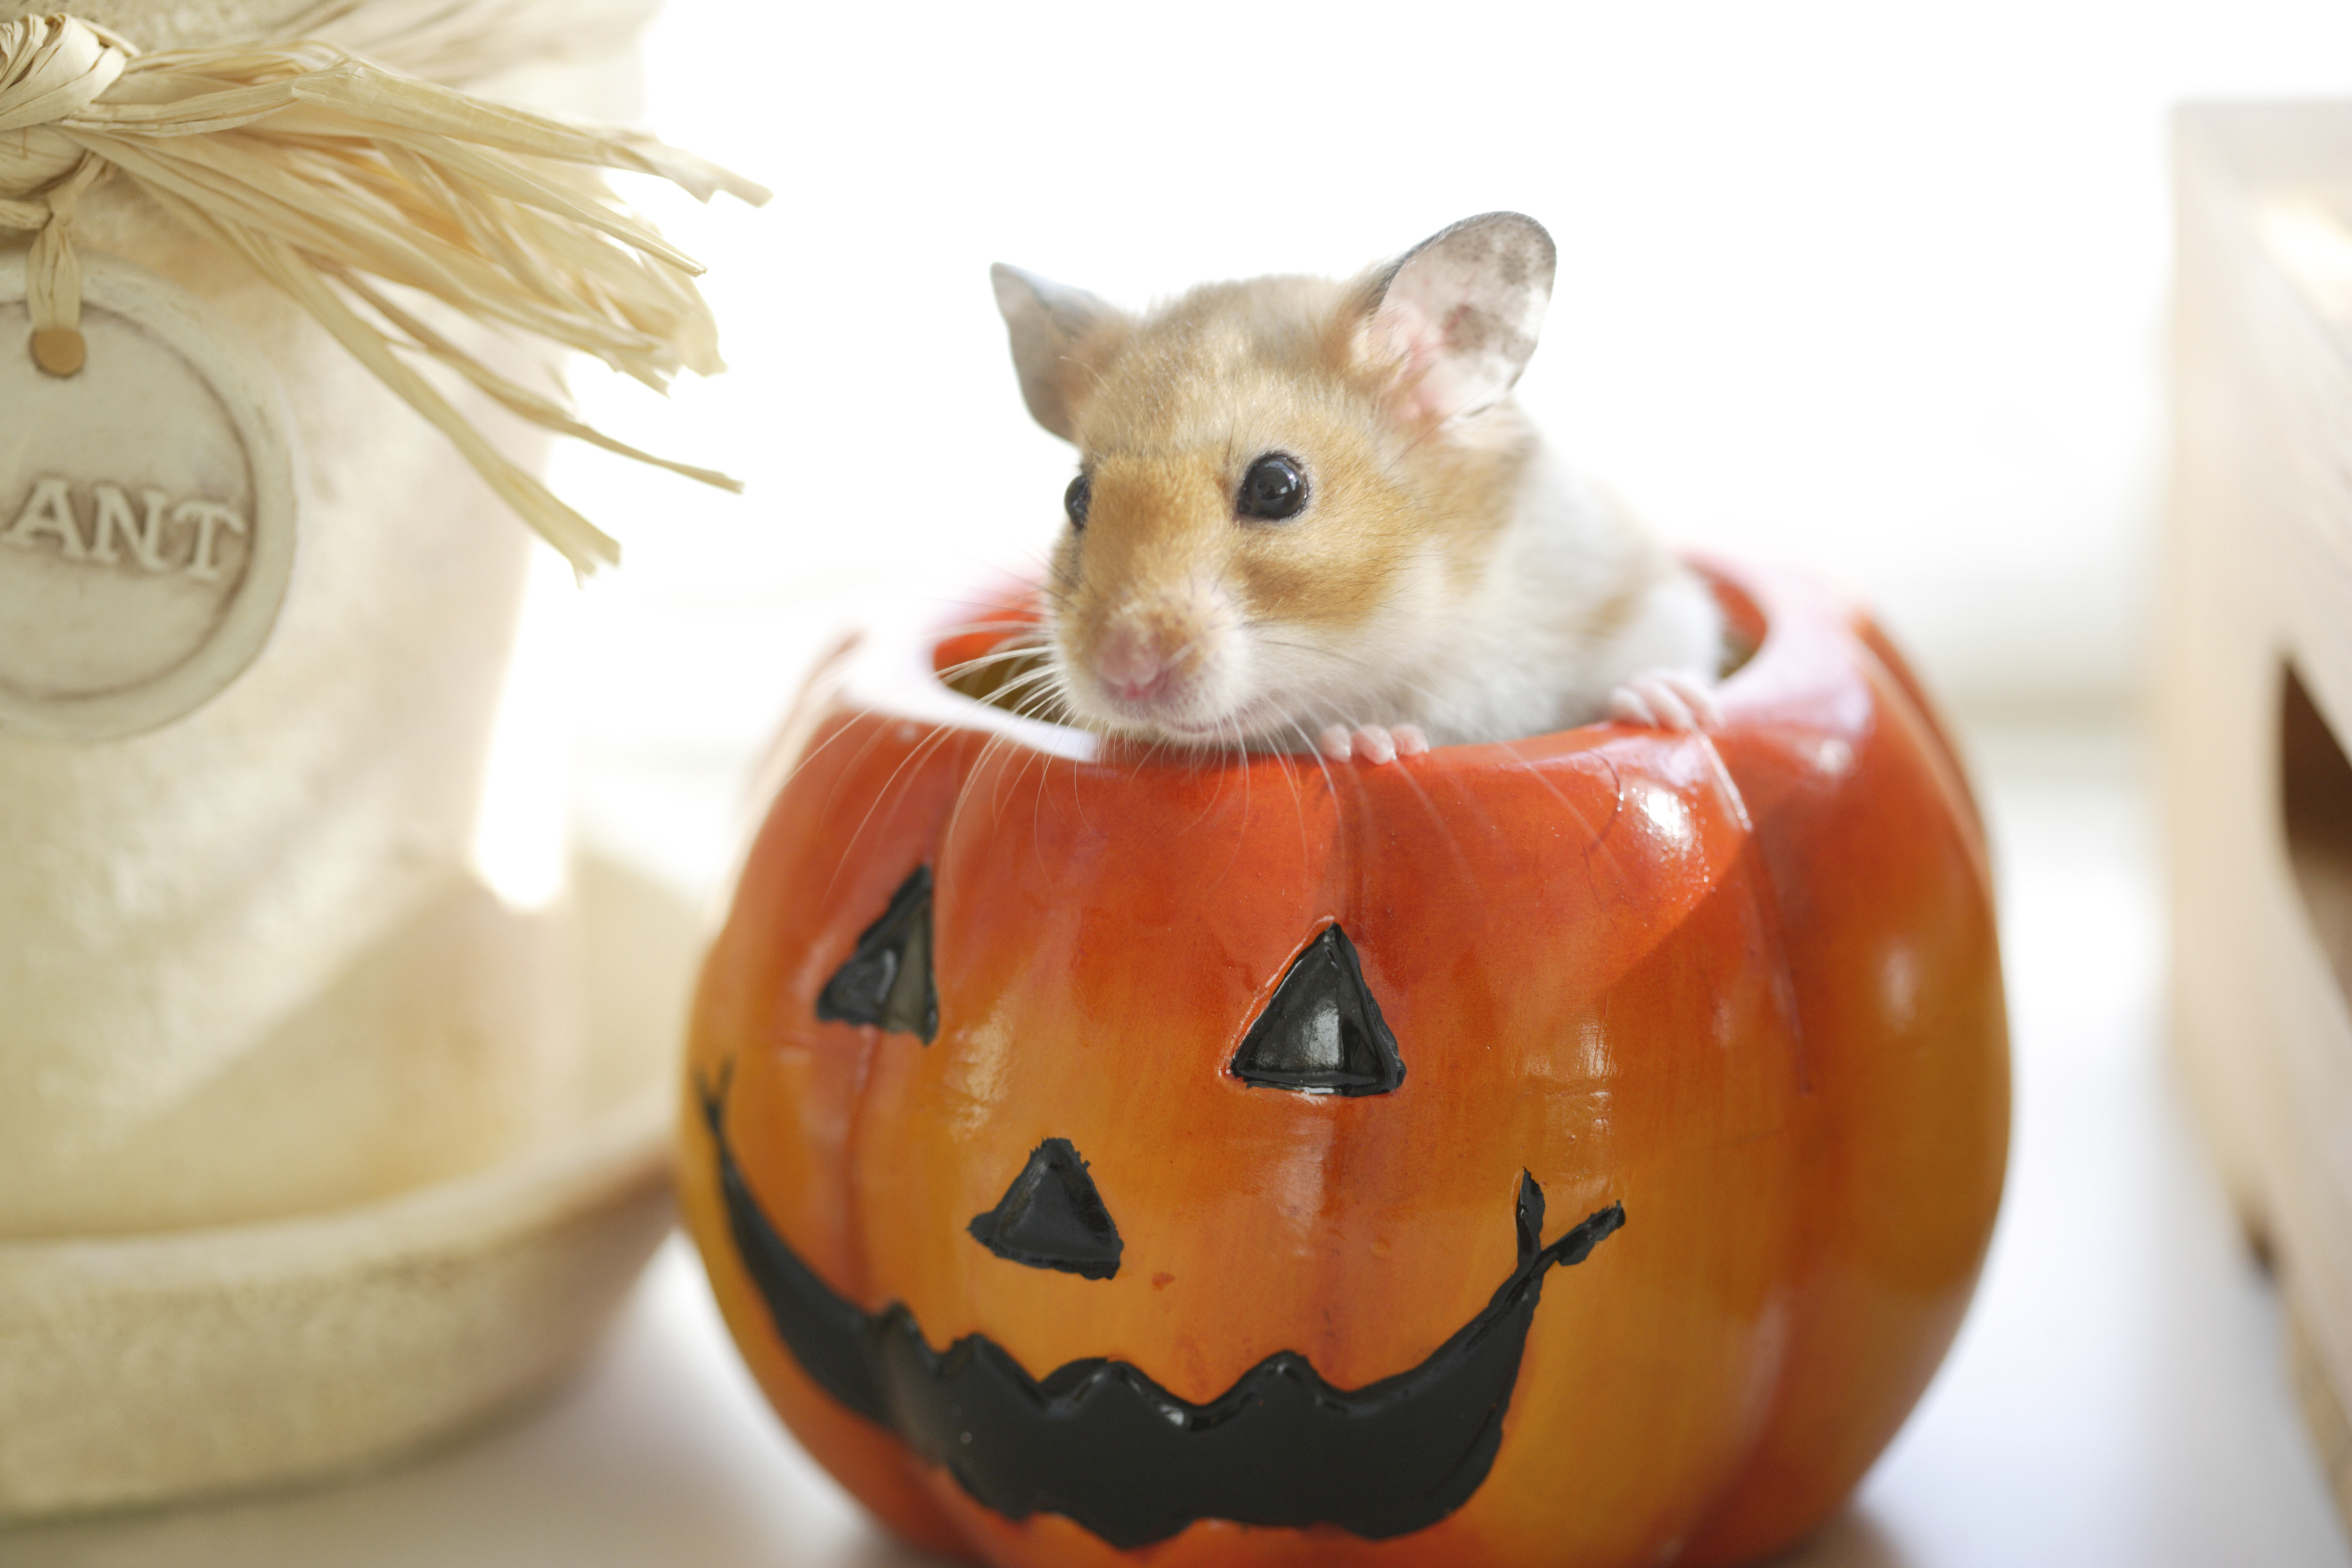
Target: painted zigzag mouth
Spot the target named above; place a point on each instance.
(1103, 1444)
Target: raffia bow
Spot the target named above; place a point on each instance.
(334, 177)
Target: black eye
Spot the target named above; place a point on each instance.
(1274, 489)
(1074, 501)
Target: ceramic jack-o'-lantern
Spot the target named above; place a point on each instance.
(1573, 1150)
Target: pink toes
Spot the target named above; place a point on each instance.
(1374, 743)
(1667, 700)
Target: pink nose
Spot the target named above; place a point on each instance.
(1132, 663)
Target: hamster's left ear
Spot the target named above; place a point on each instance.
(1458, 313)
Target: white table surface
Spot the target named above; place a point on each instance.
(2116, 1396)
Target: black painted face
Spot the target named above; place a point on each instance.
(1100, 1441)
(1051, 1217)
(887, 980)
(1321, 1031)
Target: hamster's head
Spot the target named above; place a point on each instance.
(1286, 488)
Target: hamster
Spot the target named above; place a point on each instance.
(1308, 515)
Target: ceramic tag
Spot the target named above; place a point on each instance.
(147, 510)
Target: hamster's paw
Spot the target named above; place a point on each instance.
(1667, 700)
(1372, 743)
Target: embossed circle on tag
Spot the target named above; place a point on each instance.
(147, 510)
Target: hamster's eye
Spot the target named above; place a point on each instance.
(1275, 488)
(1074, 501)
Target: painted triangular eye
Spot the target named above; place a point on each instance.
(1322, 1032)
(887, 980)
(1052, 1217)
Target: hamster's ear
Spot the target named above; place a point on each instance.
(1057, 342)
(1458, 313)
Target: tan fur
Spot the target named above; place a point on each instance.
(1168, 423)
(1434, 576)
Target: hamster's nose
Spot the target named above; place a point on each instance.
(1132, 663)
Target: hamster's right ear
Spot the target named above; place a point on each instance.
(1058, 341)
(1458, 313)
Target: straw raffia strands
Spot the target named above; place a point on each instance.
(334, 177)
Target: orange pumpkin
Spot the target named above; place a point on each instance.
(1577, 1151)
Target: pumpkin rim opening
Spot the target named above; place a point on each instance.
(962, 658)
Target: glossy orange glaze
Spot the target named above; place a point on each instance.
(1745, 984)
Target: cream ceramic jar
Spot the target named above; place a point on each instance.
(300, 1109)
(251, 962)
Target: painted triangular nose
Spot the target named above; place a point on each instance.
(1321, 1033)
(887, 982)
(1051, 1217)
